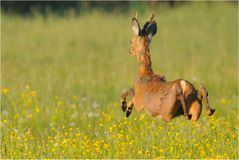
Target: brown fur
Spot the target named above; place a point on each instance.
(157, 97)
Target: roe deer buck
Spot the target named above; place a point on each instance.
(151, 92)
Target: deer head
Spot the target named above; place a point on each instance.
(142, 37)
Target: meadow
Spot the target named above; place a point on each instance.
(62, 78)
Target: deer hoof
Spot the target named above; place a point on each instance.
(210, 112)
(188, 116)
(123, 106)
(128, 112)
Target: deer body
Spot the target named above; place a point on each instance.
(152, 93)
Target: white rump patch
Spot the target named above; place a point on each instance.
(183, 85)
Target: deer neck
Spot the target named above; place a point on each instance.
(145, 64)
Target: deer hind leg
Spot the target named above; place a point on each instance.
(182, 100)
(195, 109)
(130, 92)
(203, 94)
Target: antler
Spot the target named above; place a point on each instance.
(136, 15)
(151, 18)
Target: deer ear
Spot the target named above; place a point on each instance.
(135, 26)
(151, 29)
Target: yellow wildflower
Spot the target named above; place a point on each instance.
(5, 90)
(37, 109)
(223, 101)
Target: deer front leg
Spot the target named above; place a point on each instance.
(202, 93)
(130, 92)
(129, 108)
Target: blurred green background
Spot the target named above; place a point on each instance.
(81, 48)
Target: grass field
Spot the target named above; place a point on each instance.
(62, 78)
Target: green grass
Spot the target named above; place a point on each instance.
(62, 78)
